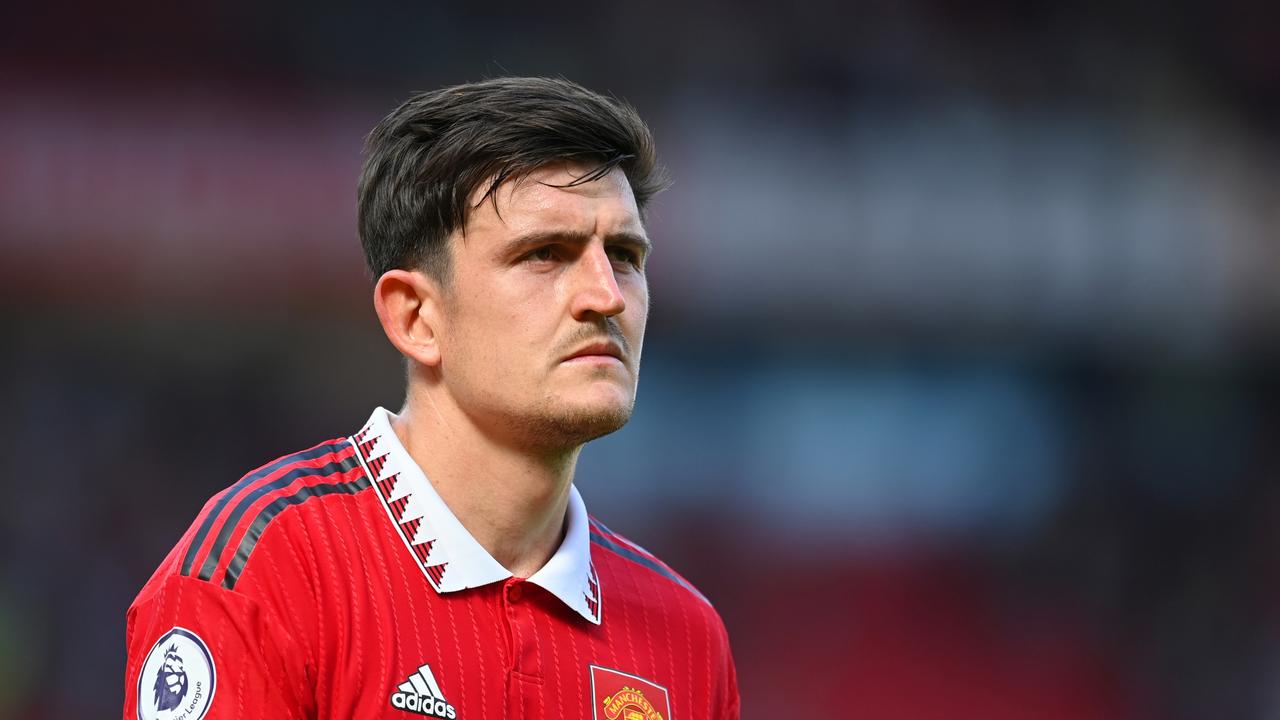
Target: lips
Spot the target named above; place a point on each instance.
(596, 349)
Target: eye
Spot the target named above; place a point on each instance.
(618, 253)
(543, 254)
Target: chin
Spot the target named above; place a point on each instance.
(575, 424)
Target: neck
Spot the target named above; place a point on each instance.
(512, 500)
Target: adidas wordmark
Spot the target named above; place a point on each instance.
(421, 694)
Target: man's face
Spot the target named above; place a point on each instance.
(545, 309)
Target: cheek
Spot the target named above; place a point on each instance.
(493, 337)
(638, 308)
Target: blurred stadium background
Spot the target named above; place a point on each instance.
(960, 394)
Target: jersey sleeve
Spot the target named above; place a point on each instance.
(730, 702)
(202, 652)
(731, 708)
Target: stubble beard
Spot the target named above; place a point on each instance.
(547, 424)
(553, 427)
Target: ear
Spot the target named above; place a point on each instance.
(408, 306)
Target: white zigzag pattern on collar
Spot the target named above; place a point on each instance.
(391, 468)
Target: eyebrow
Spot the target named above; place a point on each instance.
(539, 237)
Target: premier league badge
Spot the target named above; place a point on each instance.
(177, 679)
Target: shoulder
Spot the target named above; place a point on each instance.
(639, 560)
(227, 531)
(647, 583)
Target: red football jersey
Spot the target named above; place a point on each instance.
(335, 583)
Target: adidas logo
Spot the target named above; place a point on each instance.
(421, 694)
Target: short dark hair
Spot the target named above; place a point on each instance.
(425, 160)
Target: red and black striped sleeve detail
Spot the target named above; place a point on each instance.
(324, 469)
(606, 538)
(348, 485)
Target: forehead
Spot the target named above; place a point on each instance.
(546, 200)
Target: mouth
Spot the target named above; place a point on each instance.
(601, 352)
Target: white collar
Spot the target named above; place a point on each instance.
(448, 555)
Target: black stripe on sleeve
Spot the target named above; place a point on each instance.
(633, 556)
(318, 451)
(233, 519)
(264, 517)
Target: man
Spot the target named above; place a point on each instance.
(440, 562)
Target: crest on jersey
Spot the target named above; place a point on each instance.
(621, 696)
(177, 678)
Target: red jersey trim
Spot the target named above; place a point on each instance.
(396, 505)
(211, 517)
(259, 525)
(305, 468)
(606, 538)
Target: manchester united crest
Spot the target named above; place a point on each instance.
(621, 696)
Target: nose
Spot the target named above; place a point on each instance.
(596, 288)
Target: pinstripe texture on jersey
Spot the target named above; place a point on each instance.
(317, 607)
